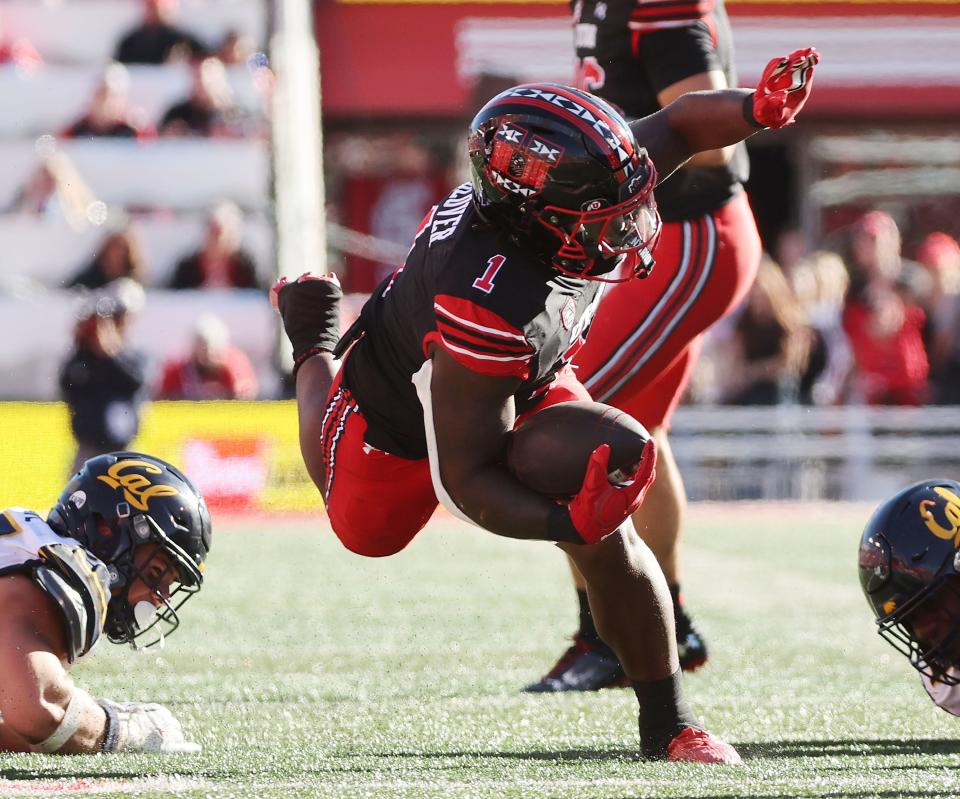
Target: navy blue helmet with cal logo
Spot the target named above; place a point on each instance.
(907, 561)
(120, 501)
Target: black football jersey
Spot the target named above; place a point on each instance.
(628, 51)
(467, 288)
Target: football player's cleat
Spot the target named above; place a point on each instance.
(691, 647)
(583, 667)
(693, 745)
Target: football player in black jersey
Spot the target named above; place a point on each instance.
(120, 552)
(641, 55)
(478, 328)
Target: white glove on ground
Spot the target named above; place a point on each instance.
(147, 727)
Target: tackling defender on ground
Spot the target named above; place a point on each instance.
(120, 552)
(909, 565)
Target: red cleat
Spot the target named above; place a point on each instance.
(699, 746)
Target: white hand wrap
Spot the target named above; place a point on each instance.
(67, 727)
(147, 727)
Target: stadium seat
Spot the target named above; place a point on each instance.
(49, 252)
(66, 92)
(87, 32)
(185, 174)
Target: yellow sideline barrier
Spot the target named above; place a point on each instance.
(244, 456)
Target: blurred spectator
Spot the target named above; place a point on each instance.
(156, 40)
(102, 380)
(883, 324)
(220, 262)
(939, 253)
(214, 368)
(770, 342)
(129, 298)
(209, 110)
(119, 255)
(820, 282)
(56, 190)
(109, 113)
(18, 51)
(236, 48)
(789, 250)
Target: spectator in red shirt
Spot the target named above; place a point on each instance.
(939, 254)
(213, 370)
(220, 262)
(884, 326)
(18, 51)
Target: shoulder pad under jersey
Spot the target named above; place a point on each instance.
(79, 584)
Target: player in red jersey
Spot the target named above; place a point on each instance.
(477, 329)
(642, 55)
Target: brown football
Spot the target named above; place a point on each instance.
(548, 453)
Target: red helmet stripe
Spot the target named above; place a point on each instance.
(624, 139)
(624, 135)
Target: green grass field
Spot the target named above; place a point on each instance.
(306, 671)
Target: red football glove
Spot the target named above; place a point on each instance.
(310, 309)
(784, 88)
(601, 507)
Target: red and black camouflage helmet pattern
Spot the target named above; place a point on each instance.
(561, 171)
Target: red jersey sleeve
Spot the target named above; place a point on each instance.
(479, 338)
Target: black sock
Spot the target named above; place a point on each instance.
(680, 617)
(664, 713)
(675, 594)
(587, 630)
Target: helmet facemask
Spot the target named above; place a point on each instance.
(597, 240)
(144, 624)
(926, 629)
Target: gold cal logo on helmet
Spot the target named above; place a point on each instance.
(137, 488)
(951, 511)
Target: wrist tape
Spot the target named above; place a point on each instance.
(67, 727)
(111, 735)
(748, 116)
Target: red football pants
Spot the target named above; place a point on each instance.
(647, 335)
(378, 502)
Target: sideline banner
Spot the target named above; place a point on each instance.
(243, 456)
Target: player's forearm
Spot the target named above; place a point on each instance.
(494, 499)
(314, 379)
(706, 120)
(67, 723)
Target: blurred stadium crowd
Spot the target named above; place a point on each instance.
(136, 221)
(135, 217)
